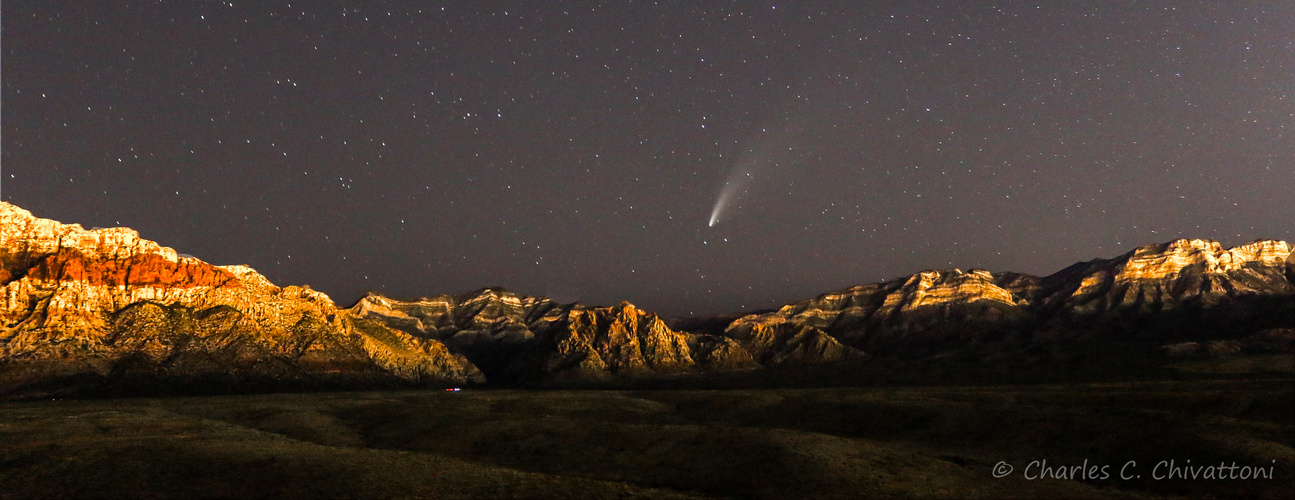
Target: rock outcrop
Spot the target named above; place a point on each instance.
(104, 309)
(108, 308)
(927, 307)
(1169, 275)
(524, 338)
(776, 341)
(1184, 288)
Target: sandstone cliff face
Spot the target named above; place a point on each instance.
(776, 341)
(1184, 287)
(921, 308)
(1181, 273)
(626, 340)
(502, 333)
(487, 315)
(110, 307)
(108, 304)
(516, 337)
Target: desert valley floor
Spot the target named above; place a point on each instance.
(843, 442)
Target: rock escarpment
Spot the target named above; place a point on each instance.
(98, 310)
(523, 338)
(925, 307)
(106, 308)
(1180, 289)
(1170, 275)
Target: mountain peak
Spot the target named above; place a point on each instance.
(1165, 260)
(9, 209)
(929, 288)
(101, 303)
(97, 302)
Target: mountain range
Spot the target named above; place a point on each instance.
(103, 310)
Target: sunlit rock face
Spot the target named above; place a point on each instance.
(619, 339)
(775, 341)
(105, 308)
(515, 337)
(1182, 273)
(933, 288)
(487, 315)
(105, 304)
(918, 309)
(1184, 288)
(626, 340)
(502, 333)
(1167, 260)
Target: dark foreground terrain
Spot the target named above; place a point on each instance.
(842, 442)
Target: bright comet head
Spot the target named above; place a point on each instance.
(719, 206)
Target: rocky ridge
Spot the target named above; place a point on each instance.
(515, 337)
(1194, 287)
(107, 307)
(1173, 274)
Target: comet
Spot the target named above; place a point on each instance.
(732, 188)
(721, 202)
(767, 153)
(767, 150)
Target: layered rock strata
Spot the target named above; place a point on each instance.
(516, 337)
(1176, 289)
(106, 306)
(1169, 275)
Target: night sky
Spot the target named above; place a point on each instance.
(583, 152)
